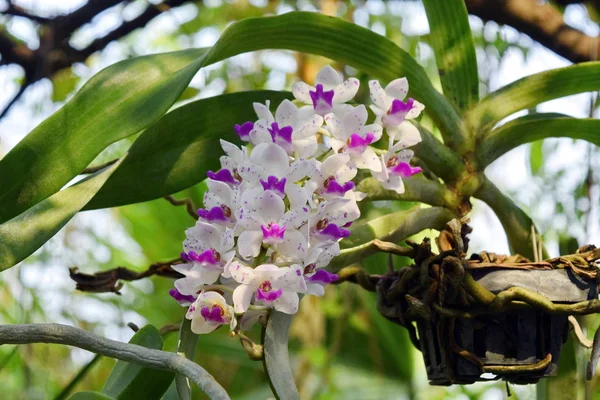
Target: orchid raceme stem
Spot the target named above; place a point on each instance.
(278, 207)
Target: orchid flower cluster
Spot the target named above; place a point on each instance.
(277, 209)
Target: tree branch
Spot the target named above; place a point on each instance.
(542, 22)
(108, 281)
(71, 336)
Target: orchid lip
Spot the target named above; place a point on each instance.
(210, 257)
(180, 297)
(334, 187)
(322, 100)
(223, 175)
(274, 184)
(282, 136)
(243, 131)
(323, 277)
(269, 296)
(214, 214)
(273, 233)
(335, 232)
(214, 314)
(358, 144)
(404, 170)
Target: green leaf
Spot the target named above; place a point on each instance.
(276, 358)
(536, 127)
(516, 223)
(127, 97)
(27, 232)
(452, 43)
(393, 227)
(186, 347)
(132, 381)
(90, 396)
(177, 150)
(532, 90)
(117, 102)
(63, 83)
(536, 157)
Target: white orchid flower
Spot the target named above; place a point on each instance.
(208, 312)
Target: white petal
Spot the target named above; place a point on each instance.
(346, 91)
(296, 195)
(262, 111)
(368, 160)
(294, 245)
(304, 148)
(243, 274)
(337, 144)
(334, 124)
(299, 169)
(227, 241)
(201, 237)
(259, 135)
(249, 243)
(231, 150)
(291, 278)
(355, 120)
(221, 189)
(309, 127)
(315, 289)
(415, 111)
(294, 218)
(406, 134)
(186, 286)
(328, 77)
(398, 88)
(286, 114)
(200, 325)
(251, 172)
(405, 155)
(378, 96)
(375, 129)
(269, 268)
(301, 91)
(394, 183)
(333, 164)
(287, 303)
(242, 295)
(270, 206)
(271, 157)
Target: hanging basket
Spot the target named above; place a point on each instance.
(490, 316)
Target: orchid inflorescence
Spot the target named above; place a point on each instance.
(277, 209)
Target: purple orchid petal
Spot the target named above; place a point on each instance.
(243, 131)
(268, 296)
(397, 112)
(273, 233)
(210, 256)
(322, 100)
(223, 175)
(358, 144)
(334, 187)
(335, 232)
(348, 224)
(323, 277)
(213, 315)
(214, 214)
(181, 298)
(274, 184)
(404, 170)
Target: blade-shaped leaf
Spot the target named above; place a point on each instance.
(64, 144)
(532, 90)
(452, 42)
(132, 381)
(276, 358)
(119, 101)
(393, 227)
(176, 151)
(27, 232)
(534, 127)
(90, 396)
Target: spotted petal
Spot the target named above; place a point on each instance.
(398, 88)
(301, 91)
(346, 91)
(328, 77)
(287, 303)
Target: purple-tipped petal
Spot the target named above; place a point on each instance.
(335, 232)
(274, 184)
(358, 144)
(181, 298)
(323, 277)
(223, 175)
(214, 214)
(322, 100)
(243, 131)
(269, 296)
(184, 257)
(404, 170)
